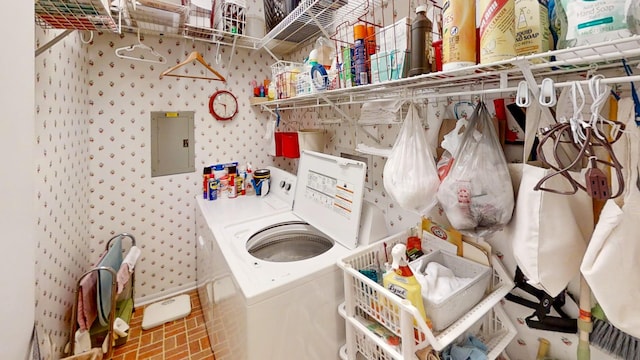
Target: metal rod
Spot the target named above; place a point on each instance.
(53, 41)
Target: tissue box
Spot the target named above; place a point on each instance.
(450, 309)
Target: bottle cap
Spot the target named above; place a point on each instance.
(359, 31)
(421, 8)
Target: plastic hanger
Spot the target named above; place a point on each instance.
(124, 52)
(194, 56)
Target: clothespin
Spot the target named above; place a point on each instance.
(634, 93)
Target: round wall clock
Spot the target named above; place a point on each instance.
(223, 105)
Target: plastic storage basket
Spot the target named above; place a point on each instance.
(398, 315)
(445, 312)
(494, 329)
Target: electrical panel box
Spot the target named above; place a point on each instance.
(172, 142)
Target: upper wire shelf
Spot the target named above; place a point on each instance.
(312, 18)
(496, 77)
(75, 15)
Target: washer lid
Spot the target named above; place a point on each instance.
(329, 195)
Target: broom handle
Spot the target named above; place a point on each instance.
(585, 325)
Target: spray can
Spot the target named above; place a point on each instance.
(421, 39)
(206, 175)
(497, 30)
(360, 54)
(213, 189)
(459, 34)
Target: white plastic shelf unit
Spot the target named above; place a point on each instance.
(364, 297)
(498, 77)
(312, 18)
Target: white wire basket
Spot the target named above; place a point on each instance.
(363, 295)
(229, 16)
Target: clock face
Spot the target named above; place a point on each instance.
(223, 105)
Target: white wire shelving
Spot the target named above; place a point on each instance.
(308, 20)
(75, 14)
(499, 77)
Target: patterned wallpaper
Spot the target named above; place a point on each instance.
(62, 182)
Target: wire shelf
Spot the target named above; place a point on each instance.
(74, 14)
(490, 78)
(155, 16)
(310, 19)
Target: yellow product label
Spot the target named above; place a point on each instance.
(497, 30)
(406, 287)
(459, 31)
(171, 114)
(532, 27)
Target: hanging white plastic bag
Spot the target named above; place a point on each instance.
(410, 175)
(270, 138)
(474, 194)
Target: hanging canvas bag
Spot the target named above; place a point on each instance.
(549, 231)
(611, 264)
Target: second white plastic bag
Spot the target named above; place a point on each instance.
(474, 194)
(410, 176)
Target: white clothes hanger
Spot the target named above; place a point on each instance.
(124, 53)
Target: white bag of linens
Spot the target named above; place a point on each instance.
(476, 194)
(410, 175)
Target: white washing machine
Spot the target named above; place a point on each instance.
(275, 285)
(224, 212)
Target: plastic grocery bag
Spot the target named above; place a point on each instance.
(477, 194)
(410, 175)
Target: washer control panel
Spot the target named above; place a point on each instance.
(283, 184)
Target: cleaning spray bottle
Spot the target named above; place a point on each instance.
(400, 280)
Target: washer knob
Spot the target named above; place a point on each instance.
(288, 186)
(282, 183)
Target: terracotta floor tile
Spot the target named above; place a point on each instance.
(182, 339)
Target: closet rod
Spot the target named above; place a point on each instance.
(613, 80)
(53, 41)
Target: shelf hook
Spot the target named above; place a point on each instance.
(522, 94)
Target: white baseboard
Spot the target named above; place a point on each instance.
(145, 300)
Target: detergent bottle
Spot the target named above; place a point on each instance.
(400, 280)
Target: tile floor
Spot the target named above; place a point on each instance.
(183, 339)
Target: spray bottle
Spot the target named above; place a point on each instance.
(400, 280)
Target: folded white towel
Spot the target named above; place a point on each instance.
(132, 257)
(438, 282)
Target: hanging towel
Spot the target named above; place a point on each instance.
(126, 269)
(87, 309)
(112, 259)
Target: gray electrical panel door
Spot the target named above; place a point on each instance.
(172, 143)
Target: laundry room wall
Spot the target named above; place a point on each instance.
(63, 249)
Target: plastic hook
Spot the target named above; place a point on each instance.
(547, 93)
(522, 94)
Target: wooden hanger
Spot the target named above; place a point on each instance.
(197, 57)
